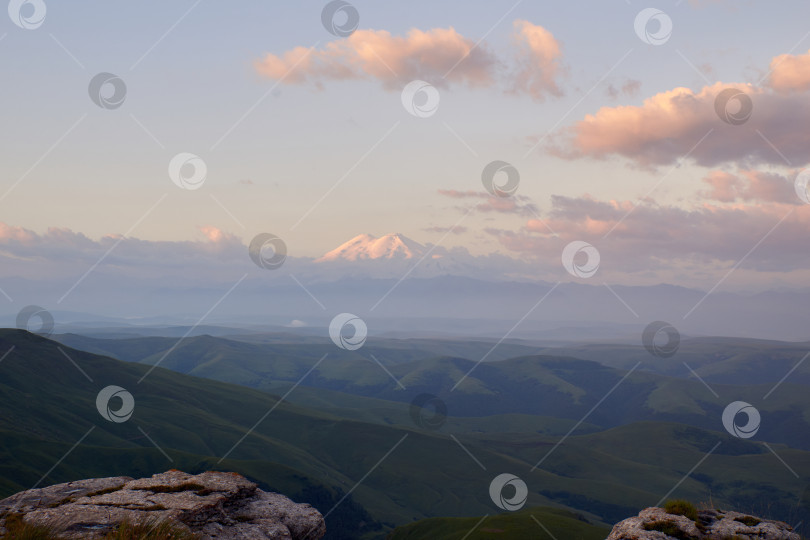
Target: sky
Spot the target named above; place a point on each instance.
(609, 120)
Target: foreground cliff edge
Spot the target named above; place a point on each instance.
(684, 522)
(224, 505)
(209, 505)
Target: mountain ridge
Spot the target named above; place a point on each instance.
(369, 247)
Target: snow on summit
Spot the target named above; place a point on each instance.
(367, 246)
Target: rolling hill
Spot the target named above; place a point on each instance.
(394, 473)
(538, 523)
(538, 385)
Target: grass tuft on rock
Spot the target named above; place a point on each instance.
(18, 529)
(670, 528)
(681, 507)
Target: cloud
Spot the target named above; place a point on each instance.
(24, 243)
(630, 88)
(62, 252)
(750, 186)
(218, 236)
(458, 229)
(538, 62)
(680, 122)
(516, 204)
(790, 72)
(439, 56)
(648, 237)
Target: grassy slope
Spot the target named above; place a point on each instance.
(535, 523)
(45, 399)
(48, 405)
(719, 360)
(381, 411)
(532, 386)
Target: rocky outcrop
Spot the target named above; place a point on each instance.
(657, 524)
(209, 505)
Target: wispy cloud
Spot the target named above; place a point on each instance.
(629, 88)
(656, 237)
(458, 229)
(516, 204)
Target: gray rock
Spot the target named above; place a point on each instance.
(217, 505)
(711, 524)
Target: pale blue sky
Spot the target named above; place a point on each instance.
(194, 85)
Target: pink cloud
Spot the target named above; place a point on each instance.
(724, 186)
(750, 185)
(70, 247)
(650, 237)
(16, 234)
(440, 56)
(26, 240)
(790, 72)
(393, 60)
(681, 122)
(538, 63)
(217, 236)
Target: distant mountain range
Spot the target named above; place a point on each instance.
(443, 305)
(398, 286)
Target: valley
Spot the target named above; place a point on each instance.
(345, 437)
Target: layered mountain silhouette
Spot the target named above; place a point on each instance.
(411, 288)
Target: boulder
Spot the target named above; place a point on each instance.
(217, 505)
(657, 524)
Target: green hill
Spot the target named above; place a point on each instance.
(721, 360)
(317, 456)
(550, 393)
(537, 394)
(538, 523)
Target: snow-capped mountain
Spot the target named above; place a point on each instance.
(395, 255)
(392, 255)
(367, 246)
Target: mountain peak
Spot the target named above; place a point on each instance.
(369, 247)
